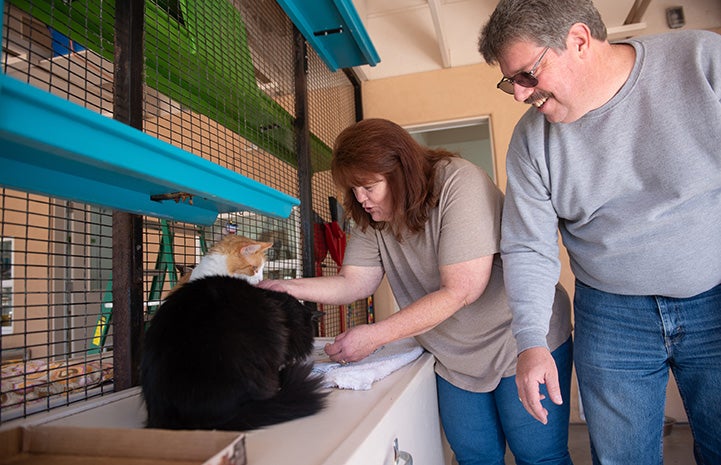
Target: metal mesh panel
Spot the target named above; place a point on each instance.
(38, 50)
(219, 83)
(327, 119)
(56, 254)
(55, 259)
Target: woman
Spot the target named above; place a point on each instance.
(430, 222)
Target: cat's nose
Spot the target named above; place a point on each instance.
(317, 315)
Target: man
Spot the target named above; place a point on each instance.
(621, 150)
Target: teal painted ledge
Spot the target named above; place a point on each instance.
(54, 147)
(334, 29)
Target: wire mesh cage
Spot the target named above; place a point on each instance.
(328, 119)
(219, 82)
(55, 253)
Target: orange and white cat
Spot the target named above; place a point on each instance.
(221, 353)
(236, 256)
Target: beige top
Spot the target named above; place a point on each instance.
(475, 347)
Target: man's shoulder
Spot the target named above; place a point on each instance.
(530, 129)
(683, 38)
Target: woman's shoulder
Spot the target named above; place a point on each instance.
(460, 177)
(458, 168)
(457, 165)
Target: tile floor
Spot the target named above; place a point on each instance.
(678, 446)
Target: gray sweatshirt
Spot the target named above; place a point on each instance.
(634, 187)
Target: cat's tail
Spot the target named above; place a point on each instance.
(301, 394)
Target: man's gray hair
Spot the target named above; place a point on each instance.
(543, 22)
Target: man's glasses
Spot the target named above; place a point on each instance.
(524, 78)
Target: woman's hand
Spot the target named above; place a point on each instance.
(273, 285)
(353, 345)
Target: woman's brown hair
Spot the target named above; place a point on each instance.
(378, 146)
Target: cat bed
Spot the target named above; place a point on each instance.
(361, 375)
(34, 381)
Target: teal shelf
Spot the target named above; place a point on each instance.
(54, 147)
(334, 29)
(214, 76)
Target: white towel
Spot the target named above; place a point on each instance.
(361, 375)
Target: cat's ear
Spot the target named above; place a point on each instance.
(250, 249)
(184, 269)
(257, 247)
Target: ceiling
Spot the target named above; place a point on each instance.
(414, 36)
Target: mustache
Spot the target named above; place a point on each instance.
(537, 95)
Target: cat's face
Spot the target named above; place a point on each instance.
(245, 258)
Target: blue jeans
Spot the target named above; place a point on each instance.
(625, 346)
(478, 425)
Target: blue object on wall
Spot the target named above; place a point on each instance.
(334, 29)
(62, 44)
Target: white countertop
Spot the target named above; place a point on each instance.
(329, 437)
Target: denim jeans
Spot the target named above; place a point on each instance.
(624, 347)
(478, 425)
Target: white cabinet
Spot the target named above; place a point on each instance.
(360, 427)
(408, 418)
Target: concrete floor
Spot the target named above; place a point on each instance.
(677, 446)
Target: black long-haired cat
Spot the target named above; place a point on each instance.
(221, 353)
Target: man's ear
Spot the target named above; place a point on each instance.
(578, 39)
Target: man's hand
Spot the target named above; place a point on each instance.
(535, 367)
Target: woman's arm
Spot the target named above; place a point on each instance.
(350, 284)
(461, 284)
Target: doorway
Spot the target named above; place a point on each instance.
(470, 138)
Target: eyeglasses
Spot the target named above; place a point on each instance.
(524, 78)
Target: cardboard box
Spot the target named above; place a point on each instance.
(62, 445)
